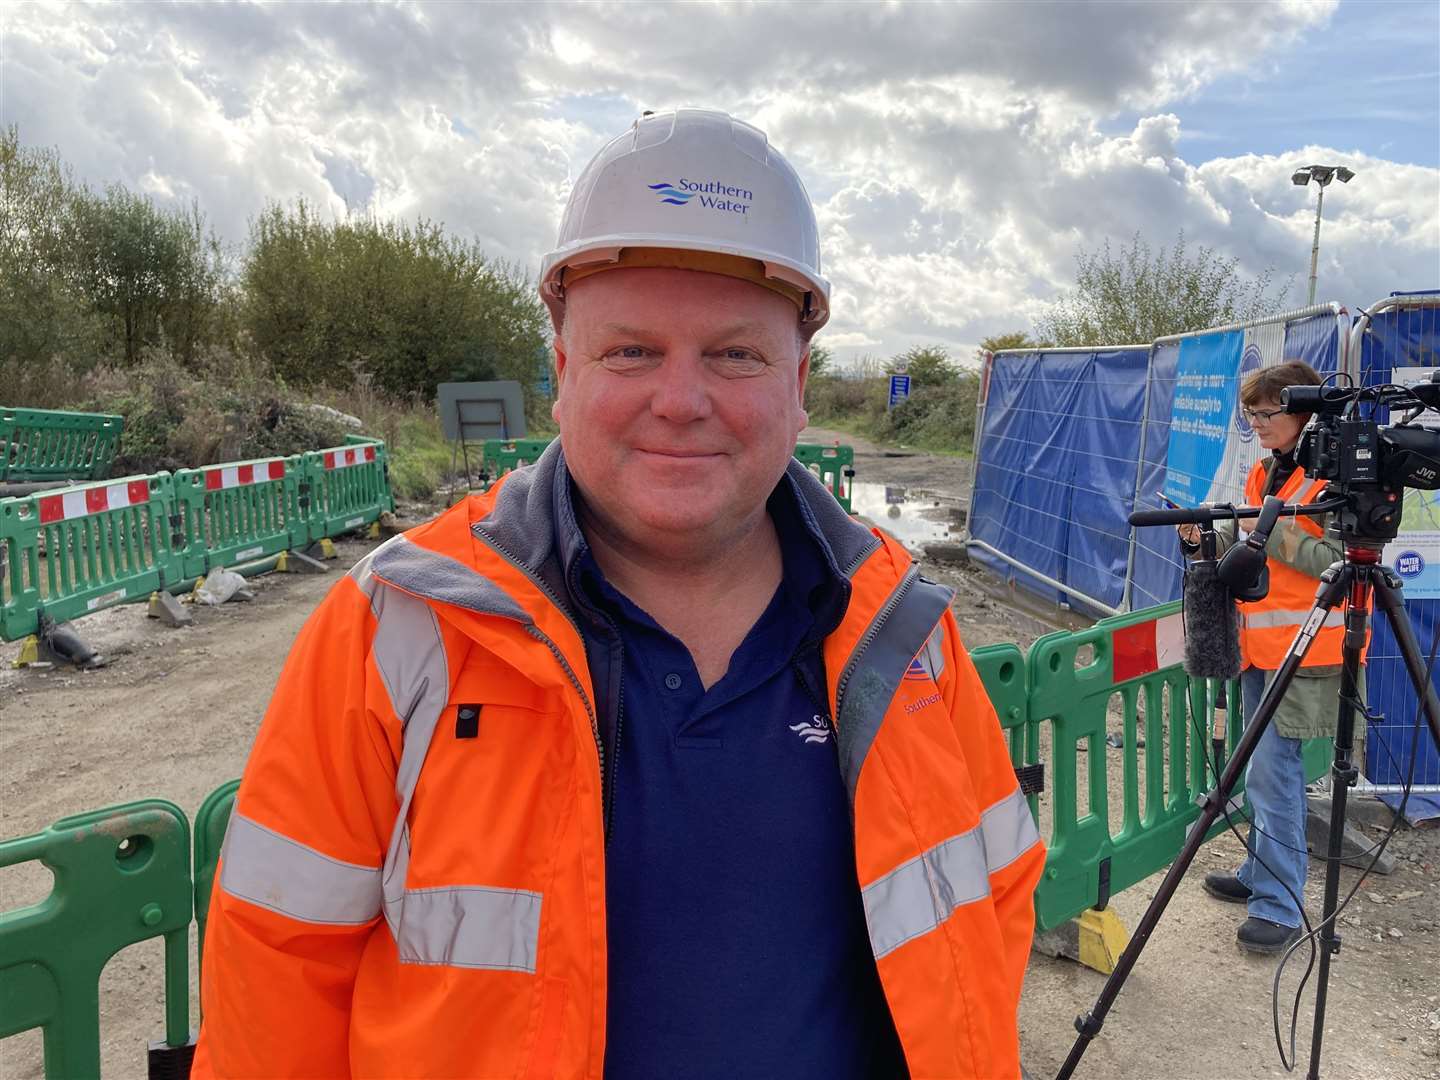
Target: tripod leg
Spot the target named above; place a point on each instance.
(1389, 599)
(1333, 586)
(1343, 776)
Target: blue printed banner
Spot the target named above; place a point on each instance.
(1200, 417)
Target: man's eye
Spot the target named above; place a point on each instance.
(630, 352)
(742, 360)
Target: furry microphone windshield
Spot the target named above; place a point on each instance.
(1212, 625)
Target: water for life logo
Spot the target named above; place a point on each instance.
(1409, 564)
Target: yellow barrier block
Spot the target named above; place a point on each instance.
(373, 533)
(29, 652)
(327, 549)
(1094, 938)
(1103, 938)
(282, 564)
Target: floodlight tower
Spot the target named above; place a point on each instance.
(1322, 175)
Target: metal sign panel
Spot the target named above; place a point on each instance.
(476, 411)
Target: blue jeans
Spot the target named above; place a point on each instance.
(1275, 784)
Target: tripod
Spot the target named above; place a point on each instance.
(1355, 580)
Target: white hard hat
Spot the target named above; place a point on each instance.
(696, 189)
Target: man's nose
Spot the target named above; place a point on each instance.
(679, 392)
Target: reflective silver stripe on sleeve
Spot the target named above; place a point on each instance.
(1271, 620)
(1008, 829)
(919, 895)
(272, 871)
(472, 927)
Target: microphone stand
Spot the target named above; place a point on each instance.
(1356, 578)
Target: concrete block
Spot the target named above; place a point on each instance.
(168, 610)
(1355, 847)
(322, 549)
(297, 562)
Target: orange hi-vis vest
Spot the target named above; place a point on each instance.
(395, 901)
(1268, 626)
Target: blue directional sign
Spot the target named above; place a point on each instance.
(899, 389)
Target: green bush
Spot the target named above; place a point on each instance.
(183, 416)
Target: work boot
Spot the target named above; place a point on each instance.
(1265, 937)
(1226, 887)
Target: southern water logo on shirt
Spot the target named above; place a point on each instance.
(712, 194)
(817, 730)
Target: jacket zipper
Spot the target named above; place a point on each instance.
(539, 635)
(872, 632)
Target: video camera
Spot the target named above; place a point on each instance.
(1370, 463)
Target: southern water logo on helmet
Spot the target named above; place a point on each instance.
(714, 194)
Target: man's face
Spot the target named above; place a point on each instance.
(680, 400)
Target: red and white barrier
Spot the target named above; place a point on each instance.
(1148, 646)
(354, 455)
(83, 502)
(255, 472)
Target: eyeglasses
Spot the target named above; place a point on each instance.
(1267, 415)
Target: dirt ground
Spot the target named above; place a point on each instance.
(174, 715)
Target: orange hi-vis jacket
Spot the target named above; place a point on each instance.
(393, 901)
(1268, 626)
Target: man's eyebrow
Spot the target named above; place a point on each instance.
(624, 330)
(739, 329)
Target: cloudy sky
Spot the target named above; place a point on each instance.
(957, 154)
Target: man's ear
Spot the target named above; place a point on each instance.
(804, 373)
(560, 361)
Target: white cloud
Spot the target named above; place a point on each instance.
(957, 154)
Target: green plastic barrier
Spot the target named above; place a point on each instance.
(210, 822)
(345, 487)
(82, 549)
(834, 465)
(1002, 671)
(1124, 672)
(239, 512)
(122, 876)
(505, 455)
(39, 444)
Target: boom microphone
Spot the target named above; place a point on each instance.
(1162, 517)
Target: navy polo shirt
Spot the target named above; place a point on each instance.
(737, 939)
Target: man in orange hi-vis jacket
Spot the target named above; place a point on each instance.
(650, 762)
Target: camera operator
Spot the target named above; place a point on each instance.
(1299, 550)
